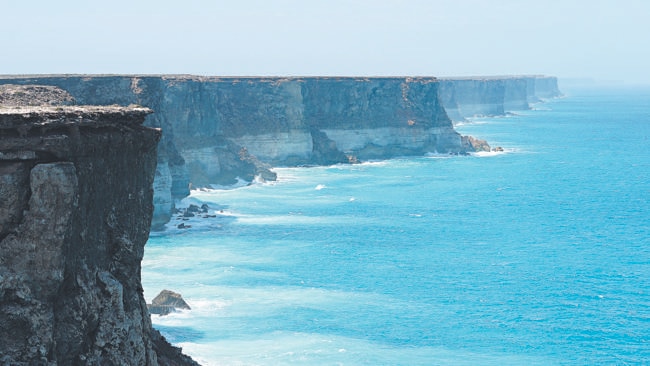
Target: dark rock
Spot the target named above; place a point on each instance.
(167, 302)
(325, 151)
(474, 144)
(167, 297)
(192, 208)
(258, 168)
(14, 177)
(160, 309)
(167, 354)
(76, 191)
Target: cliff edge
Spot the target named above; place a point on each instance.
(76, 193)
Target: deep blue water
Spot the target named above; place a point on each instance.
(539, 255)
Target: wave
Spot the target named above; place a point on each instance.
(473, 121)
(240, 183)
(199, 308)
(483, 154)
(437, 155)
(293, 219)
(509, 150)
(283, 347)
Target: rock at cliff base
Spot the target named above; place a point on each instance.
(168, 354)
(167, 302)
(473, 144)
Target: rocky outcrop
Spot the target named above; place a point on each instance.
(218, 130)
(479, 145)
(76, 193)
(166, 302)
(33, 95)
(494, 96)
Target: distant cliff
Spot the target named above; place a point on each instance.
(494, 96)
(216, 130)
(76, 192)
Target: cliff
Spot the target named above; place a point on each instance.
(494, 96)
(76, 193)
(216, 130)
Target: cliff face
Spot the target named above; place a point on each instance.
(494, 96)
(76, 193)
(376, 118)
(218, 129)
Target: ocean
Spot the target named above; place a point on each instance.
(538, 255)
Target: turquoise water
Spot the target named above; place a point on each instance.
(538, 255)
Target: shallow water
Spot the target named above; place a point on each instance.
(538, 255)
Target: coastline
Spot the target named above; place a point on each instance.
(218, 130)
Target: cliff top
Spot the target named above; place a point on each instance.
(16, 117)
(217, 78)
(23, 106)
(269, 78)
(494, 77)
(31, 95)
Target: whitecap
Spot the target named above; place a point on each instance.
(291, 219)
(375, 162)
(483, 154)
(437, 155)
(240, 183)
(282, 347)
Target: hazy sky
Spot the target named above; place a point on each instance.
(602, 39)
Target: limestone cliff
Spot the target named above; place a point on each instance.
(76, 193)
(218, 129)
(494, 96)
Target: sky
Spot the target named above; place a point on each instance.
(606, 40)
